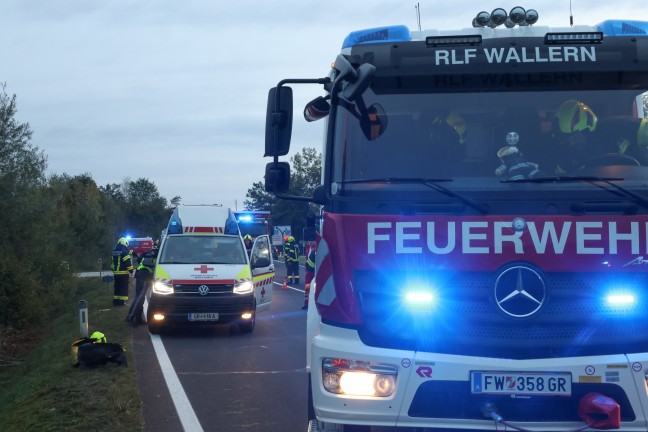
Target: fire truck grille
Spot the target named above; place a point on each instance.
(574, 319)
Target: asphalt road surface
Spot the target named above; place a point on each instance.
(228, 381)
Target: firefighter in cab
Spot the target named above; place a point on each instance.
(248, 243)
(291, 256)
(122, 268)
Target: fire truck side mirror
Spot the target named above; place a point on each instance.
(277, 177)
(278, 121)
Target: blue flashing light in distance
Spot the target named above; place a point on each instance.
(623, 28)
(398, 33)
(245, 218)
(128, 237)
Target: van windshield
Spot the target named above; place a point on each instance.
(202, 249)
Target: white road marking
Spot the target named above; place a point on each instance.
(289, 287)
(184, 409)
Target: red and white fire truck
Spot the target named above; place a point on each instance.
(481, 264)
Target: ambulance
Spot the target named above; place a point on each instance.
(203, 274)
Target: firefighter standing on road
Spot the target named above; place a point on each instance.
(291, 256)
(122, 267)
(143, 279)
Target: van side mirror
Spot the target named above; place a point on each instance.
(278, 121)
(277, 177)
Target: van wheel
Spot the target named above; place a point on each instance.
(248, 326)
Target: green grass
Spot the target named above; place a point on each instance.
(45, 393)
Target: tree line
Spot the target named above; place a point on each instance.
(53, 226)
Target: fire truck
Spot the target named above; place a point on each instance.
(484, 239)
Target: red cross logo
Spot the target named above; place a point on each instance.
(203, 268)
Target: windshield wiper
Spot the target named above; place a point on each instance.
(588, 179)
(432, 183)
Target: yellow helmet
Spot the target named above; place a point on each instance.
(642, 134)
(575, 116)
(291, 239)
(247, 237)
(455, 120)
(123, 241)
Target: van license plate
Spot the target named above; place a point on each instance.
(203, 316)
(521, 383)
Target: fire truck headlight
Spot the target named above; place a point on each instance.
(162, 287)
(243, 287)
(357, 378)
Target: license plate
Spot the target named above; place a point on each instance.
(203, 316)
(521, 383)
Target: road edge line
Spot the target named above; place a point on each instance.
(182, 405)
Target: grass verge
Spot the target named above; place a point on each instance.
(45, 393)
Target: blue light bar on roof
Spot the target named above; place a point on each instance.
(623, 28)
(398, 33)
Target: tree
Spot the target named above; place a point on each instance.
(147, 210)
(305, 177)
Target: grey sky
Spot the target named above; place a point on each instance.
(175, 91)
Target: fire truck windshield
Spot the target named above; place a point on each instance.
(480, 139)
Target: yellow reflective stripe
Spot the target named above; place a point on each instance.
(120, 297)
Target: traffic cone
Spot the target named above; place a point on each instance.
(285, 285)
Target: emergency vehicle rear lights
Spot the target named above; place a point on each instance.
(453, 40)
(358, 378)
(374, 35)
(158, 317)
(574, 38)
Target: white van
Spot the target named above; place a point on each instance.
(203, 274)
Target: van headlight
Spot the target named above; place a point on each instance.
(243, 287)
(358, 378)
(162, 287)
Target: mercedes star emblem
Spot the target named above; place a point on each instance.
(520, 291)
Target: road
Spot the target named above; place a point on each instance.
(233, 382)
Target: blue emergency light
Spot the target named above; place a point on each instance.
(623, 28)
(245, 218)
(399, 33)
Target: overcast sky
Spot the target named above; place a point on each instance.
(175, 91)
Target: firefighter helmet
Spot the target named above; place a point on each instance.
(575, 116)
(458, 123)
(291, 239)
(247, 237)
(123, 241)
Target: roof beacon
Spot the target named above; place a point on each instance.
(517, 16)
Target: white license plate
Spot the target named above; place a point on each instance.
(521, 383)
(203, 316)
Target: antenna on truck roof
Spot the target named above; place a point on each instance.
(418, 15)
(571, 16)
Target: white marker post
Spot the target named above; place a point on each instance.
(83, 318)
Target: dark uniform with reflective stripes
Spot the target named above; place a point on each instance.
(291, 255)
(122, 267)
(310, 273)
(143, 280)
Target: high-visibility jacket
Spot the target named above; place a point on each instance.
(146, 267)
(310, 261)
(291, 251)
(121, 260)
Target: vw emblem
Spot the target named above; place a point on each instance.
(520, 291)
(203, 290)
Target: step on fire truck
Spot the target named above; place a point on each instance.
(485, 222)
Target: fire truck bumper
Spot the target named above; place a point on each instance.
(427, 390)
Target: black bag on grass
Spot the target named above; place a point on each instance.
(87, 352)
